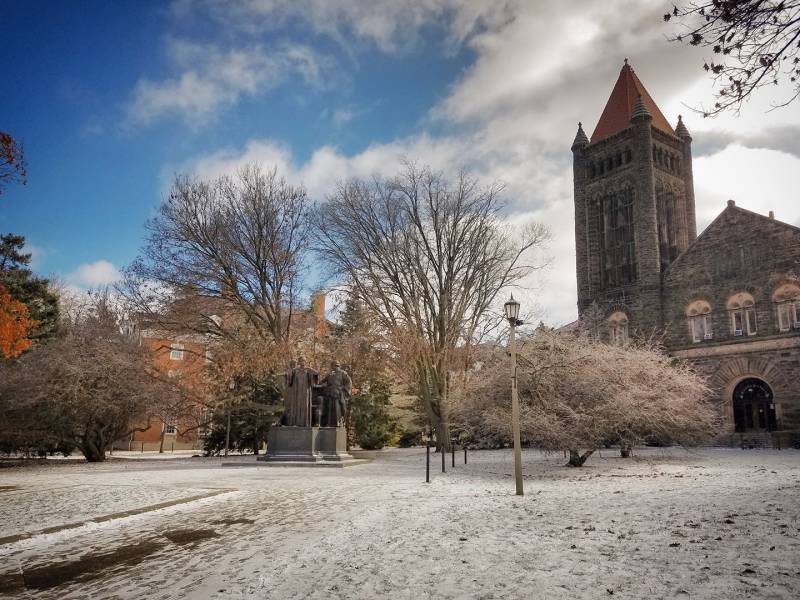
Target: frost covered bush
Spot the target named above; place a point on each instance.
(577, 394)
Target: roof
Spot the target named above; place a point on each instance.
(619, 108)
(718, 222)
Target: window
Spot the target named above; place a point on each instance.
(615, 225)
(699, 316)
(170, 429)
(176, 352)
(742, 311)
(618, 328)
(787, 305)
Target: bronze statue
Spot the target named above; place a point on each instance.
(336, 390)
(300, 381)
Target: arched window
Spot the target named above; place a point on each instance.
(618, 328)
(742, 310)
(698, 314)
(787, 305)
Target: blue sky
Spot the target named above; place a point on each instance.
(95, 171)
(112, 98)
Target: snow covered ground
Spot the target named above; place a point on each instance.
(666, 524)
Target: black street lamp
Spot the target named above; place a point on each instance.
(511, 309)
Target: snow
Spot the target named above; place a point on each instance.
(712, 523)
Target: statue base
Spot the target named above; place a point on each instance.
(306, 445)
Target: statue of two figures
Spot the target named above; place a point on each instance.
(302, 386)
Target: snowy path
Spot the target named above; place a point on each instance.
(669, 524)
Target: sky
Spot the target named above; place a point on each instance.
(111, 99)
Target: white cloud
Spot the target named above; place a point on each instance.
(539, 68)
(392, 26)
(757, 179)
(211, 79)
(93, 275)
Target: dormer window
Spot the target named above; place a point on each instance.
(787, 306)
(618, 328)
(741, 308)
(698, 314)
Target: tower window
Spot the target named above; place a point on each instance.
(698, 314)
(618, 262)
(628, 156)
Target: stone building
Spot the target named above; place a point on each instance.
(728, 300)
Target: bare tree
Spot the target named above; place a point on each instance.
(85, 389)
(234, 244)
(577, 394)
(12, 161)
(757, 44)
(428, 258)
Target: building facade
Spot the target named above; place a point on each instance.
(727, 300)
(186, 356)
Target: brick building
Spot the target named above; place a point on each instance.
(186, 356)
(728, 300)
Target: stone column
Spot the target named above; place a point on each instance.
(579, 176)
(648, 257)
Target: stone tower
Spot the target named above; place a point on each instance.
(634, 206)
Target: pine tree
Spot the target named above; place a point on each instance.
(24, 286)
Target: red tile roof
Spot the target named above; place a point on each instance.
(619, 108)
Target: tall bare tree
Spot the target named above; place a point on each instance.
(756, 42)
(235, 244)
(428, 257)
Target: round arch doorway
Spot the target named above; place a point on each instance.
(753, 406)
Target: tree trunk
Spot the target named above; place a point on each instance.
(443, 441)
(163, 433)
(433, 393)
(625, 451)
(92, 453)
(576, 459)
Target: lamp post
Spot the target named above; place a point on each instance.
(232, 388)
(511, 309)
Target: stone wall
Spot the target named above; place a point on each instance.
(739, 252)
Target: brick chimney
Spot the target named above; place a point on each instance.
(318, 312)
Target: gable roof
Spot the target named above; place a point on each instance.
(619, 108)
(717, 222)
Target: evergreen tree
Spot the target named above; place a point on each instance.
(252, 415)
(358, 345)
(23, 285)
(373, 427)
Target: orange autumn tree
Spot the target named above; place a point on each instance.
(15, 325)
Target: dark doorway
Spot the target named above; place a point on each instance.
(753, 406)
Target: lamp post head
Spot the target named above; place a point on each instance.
(511, 310)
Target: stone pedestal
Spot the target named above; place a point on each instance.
(306, 444)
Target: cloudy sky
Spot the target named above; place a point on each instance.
(112, 99)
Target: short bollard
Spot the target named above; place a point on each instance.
(428, 462)
(465, 455)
